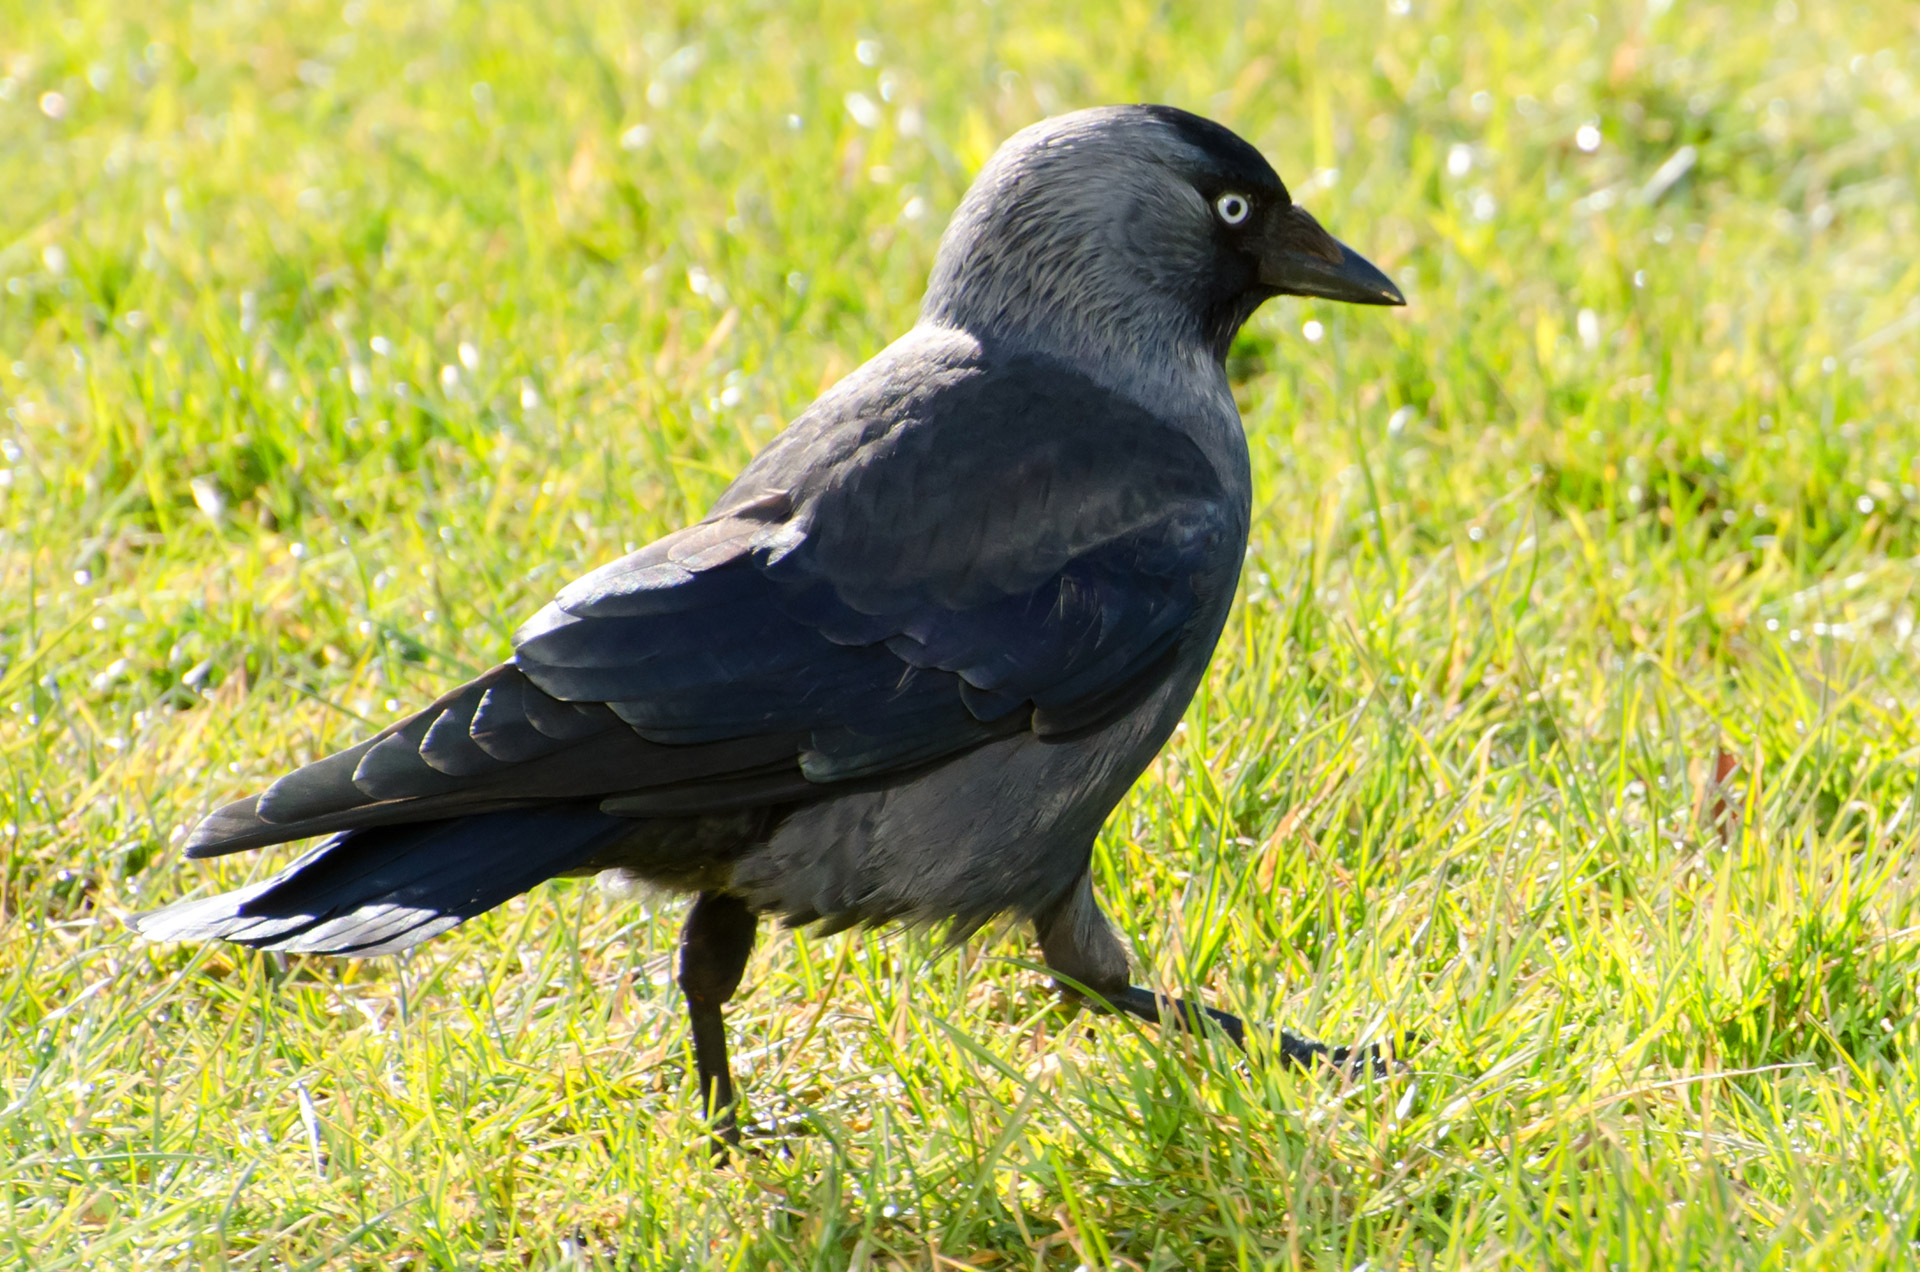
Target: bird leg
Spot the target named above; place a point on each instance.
(1079, 944)
(714, 946)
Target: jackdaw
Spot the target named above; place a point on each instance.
(915, 654)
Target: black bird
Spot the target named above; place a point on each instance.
(918, 650)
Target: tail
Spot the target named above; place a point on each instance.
(386, 888)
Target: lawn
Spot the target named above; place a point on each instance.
(1569, 719)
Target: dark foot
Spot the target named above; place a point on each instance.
(1294, 1049)
(1086, 957)
(723, 1134)
(774, 1135)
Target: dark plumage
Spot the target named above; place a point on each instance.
(915, 654)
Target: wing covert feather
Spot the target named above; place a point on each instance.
(907, 583)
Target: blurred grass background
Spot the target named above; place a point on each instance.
(1568, 719)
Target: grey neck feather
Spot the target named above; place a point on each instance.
(1068, 248)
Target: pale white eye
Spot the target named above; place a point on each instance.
(1233, 208)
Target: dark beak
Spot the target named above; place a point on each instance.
(1298, 258)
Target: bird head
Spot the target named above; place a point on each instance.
(1140, 231)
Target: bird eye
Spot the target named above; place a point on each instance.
(1233, 208)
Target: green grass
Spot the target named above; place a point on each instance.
(1568, 719)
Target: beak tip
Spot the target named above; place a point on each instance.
(1383, 293)
(1386, 291)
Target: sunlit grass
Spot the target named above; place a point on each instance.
(1567, 723)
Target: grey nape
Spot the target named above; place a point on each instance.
(915, 654)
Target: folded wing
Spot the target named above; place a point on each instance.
(891, 582)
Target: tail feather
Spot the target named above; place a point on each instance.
(383, 889)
